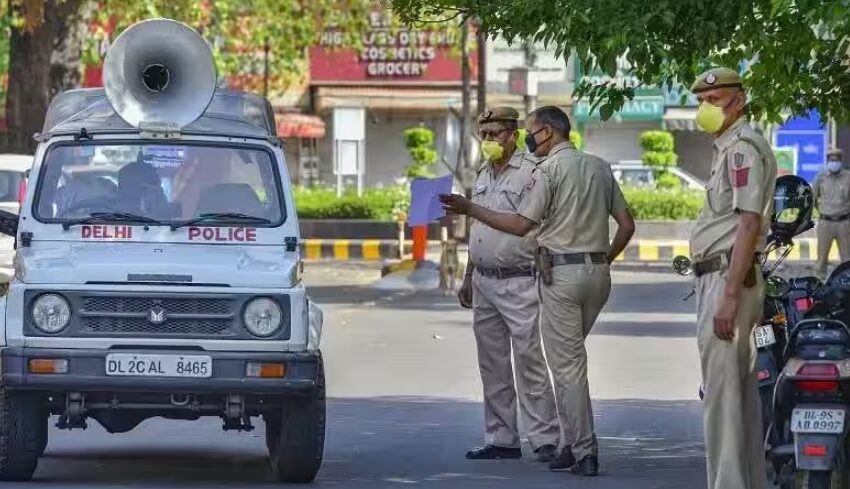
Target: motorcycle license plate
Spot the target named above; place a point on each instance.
(764, 336)
(817, 420)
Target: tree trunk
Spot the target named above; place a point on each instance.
(43, 61)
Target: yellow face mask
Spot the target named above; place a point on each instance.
(492, 150)
(709, 117)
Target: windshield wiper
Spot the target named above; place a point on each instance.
(109, 216)
(214, 216)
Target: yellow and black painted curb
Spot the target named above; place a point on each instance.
(645, 251)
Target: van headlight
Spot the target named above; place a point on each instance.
(262, 317)
(51, 313)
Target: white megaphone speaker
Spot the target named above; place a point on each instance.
(159, 71)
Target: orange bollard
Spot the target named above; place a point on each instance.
(420, 242)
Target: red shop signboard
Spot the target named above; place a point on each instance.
(390, 56)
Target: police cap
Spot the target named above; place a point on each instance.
(836, 152)
(498, 114)
(716, 78)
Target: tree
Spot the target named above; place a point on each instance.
(796, 52)
(420, 144)
(658, 147)
(46, 40)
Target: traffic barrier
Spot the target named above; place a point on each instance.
(640, 251)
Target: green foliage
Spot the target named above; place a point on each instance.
(385, 204)
(667, 181)
(797, 51)
(665, 205)
(658, 153)
(238, 29)
(378, 204)
(656, 141)
(420, 146)
(576, 139)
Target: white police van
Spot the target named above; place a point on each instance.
(157, 269)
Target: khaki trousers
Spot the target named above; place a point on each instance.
(829, 231)
(734, 441)
(569, 308)
(505, 315)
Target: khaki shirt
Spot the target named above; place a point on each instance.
(489, 248)
(743, 178)
(572, 196)
(832, 193)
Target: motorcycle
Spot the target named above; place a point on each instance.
(807, 444)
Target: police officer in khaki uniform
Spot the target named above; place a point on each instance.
(571, 198)
(500, 283)
(832, 197)
(731, 229)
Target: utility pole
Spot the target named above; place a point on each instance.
(530, 62)
(463, 151)
(481, 39)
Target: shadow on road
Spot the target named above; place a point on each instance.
(382, 443)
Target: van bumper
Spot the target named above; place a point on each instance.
(87, 372)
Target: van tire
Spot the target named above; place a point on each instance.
(23, 434)
(295, 435)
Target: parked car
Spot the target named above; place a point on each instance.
(13, 172)
(636, 174)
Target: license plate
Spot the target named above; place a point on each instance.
(148, 365)
(764, 336)
(817, 420)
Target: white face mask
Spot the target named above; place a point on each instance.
(833, 166)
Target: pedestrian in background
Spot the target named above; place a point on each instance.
(731, 229)
(571, 198)
(832, 198)
(499, 285)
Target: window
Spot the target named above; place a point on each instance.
(156, 181)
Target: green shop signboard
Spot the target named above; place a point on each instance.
(648, 104)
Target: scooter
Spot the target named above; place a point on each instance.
(807, 444)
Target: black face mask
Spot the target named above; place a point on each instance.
(531, 143)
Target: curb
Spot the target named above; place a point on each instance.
(641, 251)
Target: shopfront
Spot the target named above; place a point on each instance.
(401, 78)
(652, 108)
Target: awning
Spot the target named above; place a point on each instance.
(680, 119)
(291, 125)
(389, 98)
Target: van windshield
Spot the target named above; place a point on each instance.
(158, 184)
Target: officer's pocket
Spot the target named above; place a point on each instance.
(510, 197)
(719, 192)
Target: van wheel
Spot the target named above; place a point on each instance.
(295, 435)
(23, 434)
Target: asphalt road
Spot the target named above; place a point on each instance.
(405, 395)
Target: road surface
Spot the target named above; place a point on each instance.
(404, 403)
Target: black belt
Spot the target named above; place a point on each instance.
(718, 263)
(503, 273)
(842, 217)
(578, 258)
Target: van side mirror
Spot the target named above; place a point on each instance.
(8, 223)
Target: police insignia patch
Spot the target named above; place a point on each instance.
(742, 177)
(739, 160)
(711, 79)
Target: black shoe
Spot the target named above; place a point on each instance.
(588, 466)
(564, 461)
(492, 452)
(547, 453)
